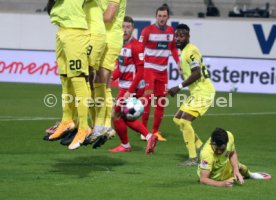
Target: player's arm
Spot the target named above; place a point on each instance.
(116, 74)
(138, 58)
(204, 179)
(194, 61)
(144, 37)
(175, 55)
(195, 75)
(235, 165)
(111, 10)
(50, 5)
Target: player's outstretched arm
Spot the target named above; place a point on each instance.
(195, 75)
(110, 12)
(204, 179)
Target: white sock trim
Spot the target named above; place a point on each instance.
(148, 136)
(126, 145)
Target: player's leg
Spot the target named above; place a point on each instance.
(160, 91)
(192, 108)
(189, 136)
(120, 126)
(149, 80)
(98, 44)
(67, 96)
(76, 44)
(103, 77)
(101, 82)
(176, 119)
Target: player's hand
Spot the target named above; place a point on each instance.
(239, 177)
(127, 95)
(228, 183)
(173, 91)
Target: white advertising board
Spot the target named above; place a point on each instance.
(227, 74)
(28, 66)
(235, 74)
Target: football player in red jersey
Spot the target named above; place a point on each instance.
(159, 43)
(130, 72)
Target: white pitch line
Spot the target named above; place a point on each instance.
(26, 118)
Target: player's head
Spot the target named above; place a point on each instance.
(128, 26)
(219, 140)
(162, 15)
(182, 35)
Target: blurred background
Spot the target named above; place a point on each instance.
(144, 8)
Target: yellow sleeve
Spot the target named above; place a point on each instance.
(194, 58)
(231, 143)
(206, 162)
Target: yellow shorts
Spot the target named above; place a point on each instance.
(110, 56)
(72, 49)
(196, 105)
(98, 43)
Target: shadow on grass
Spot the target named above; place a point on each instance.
(82, 166)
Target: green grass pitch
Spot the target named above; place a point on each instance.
(31, 168)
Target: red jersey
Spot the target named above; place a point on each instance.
(130, 66)
(158, 46)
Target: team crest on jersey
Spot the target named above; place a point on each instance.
(141, 56)
(204, 164)
(168, 37)
(124, 52)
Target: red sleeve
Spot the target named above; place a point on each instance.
(138, 58)
(144, 37)
(175, 52)
(116, 73)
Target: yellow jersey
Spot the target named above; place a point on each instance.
(190, 58)
(114, 30)
(94, 17)
(69, 14)
(219, 166)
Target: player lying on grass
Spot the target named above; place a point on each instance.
(130, 71)
(219, 164)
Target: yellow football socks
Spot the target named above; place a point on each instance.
(100, 107)
(109, 104)
(198, 142)
(92, 109)
(189, 137)
(81, 101)
(66, 98)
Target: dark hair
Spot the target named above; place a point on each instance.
(129, 19)
(183, 27)
(219, 137)
(164, 7)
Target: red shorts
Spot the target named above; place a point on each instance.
(117, 107)
(157, 82)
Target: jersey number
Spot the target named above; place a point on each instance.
(205, 72)
(75, 64)
(89, 50)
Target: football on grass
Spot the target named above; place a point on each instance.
(133, 108)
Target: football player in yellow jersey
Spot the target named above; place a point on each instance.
(72, 49)
(94, 17)
(219, 164)
(201, 89)
(114, 12)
